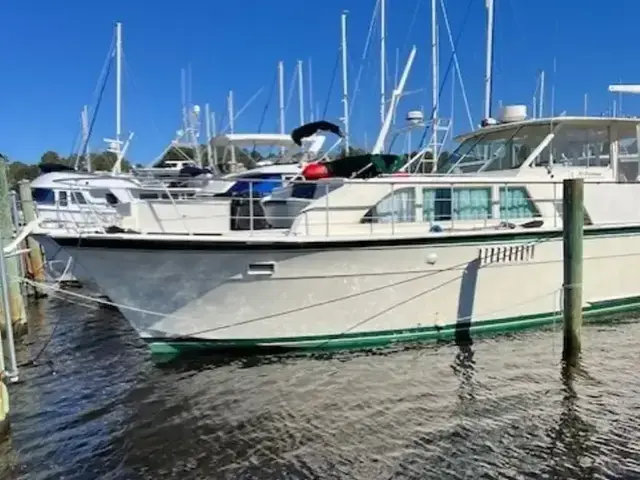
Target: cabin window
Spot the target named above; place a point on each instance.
(62, 199)
(111, 199)
(501, 148)
(78, 197)
(397, 207)
(148, 196)
(470, 203)
(43, 196)
(98, 192)
(577, 146)
(515, 203)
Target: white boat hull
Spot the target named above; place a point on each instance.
(192, 293)
(61, 267)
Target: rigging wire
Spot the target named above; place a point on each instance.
(98, 92)
(447, 71)
(331, 83)
(96, 109)
(264, 111)
(365, 51)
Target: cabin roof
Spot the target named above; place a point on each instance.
(57, 180)
(629, 123)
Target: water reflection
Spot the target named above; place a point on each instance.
(571, 452)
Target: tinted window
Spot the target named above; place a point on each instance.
(111, 199)
(43, 196)
(63, 199)
(78, 197)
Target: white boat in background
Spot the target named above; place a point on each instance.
(475, 248)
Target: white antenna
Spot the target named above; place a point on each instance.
(383, 58)
(345, 91)
(310, 92)
(541, 99)
(231, 130)
(434, 78)
(489, 65)
(207, 127)
(586, 104)
(301, 91)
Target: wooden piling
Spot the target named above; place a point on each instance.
(36, 261)
(573, 230)
(16, 303)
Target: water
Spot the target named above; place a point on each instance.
(95, 406)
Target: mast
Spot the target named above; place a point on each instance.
(434, 80)
(214, 134)
(310, 92)
(345, 92)
(231, 130)
(301, 91)
(281, 99)
(84, 117)
(383, 58)
(488, 79)
(541, 99)
(118, 83)
(207, 127)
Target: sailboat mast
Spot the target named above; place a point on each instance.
(345, 91)
(301, 91)
(310, 91)
(488, 78)
(118, 83)
(281, 99)
(434, 80)
(383, 58)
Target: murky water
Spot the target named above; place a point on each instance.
(95, 406)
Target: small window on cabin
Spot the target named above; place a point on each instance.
(98, 192)
(148, 196)
(43, 196)
(78, 197)
(396, 207)
(470, 203)
(111, 199)
(62, 199)
(516, 204)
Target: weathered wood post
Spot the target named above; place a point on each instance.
(35, 252)
(573, 230)
(16, 303)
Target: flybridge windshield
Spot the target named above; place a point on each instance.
(500, 150)
(573, 145)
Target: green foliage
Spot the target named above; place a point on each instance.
(17, 171)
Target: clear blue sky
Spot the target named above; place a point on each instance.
(52, 54)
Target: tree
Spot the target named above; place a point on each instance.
(52, 157)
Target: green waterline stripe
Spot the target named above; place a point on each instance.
(351, 340)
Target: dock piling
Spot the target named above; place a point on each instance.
(572, 242)
(35, 252)
(12, 271)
